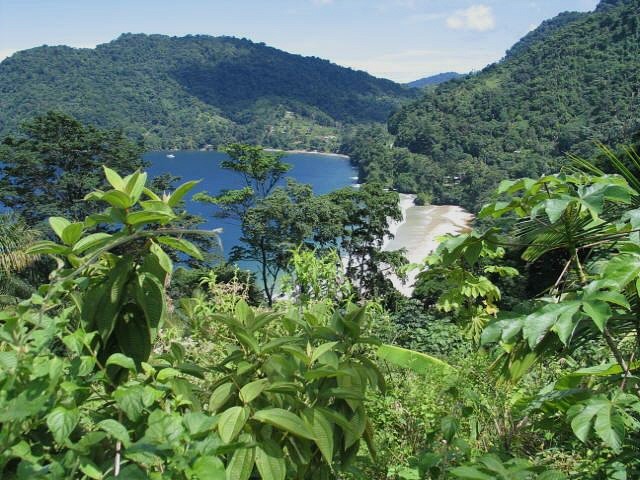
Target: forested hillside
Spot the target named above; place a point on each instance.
(195, 90)
(434, 79)
(572, 81)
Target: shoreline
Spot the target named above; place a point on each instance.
(419, 234)
(307, 152)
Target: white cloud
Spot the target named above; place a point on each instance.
(477, 17)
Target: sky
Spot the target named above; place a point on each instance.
(402, 40)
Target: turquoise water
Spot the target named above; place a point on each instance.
(325, 173)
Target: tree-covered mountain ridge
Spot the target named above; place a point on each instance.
(571, 82)
(196, 90)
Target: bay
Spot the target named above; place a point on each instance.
(325, 173)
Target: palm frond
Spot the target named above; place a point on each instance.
(15, 237)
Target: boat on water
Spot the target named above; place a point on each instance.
(171, 156)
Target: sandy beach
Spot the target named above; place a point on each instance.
(419, 230)
(308, 152)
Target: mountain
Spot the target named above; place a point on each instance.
(572, 81)
(433, 80)
(195, 90)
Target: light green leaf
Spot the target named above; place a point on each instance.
(72, 233)
(284, 420)
(91, 241)
(58, 224)
(231, 422)
(251, 390)
(182, 245)
(220, 396)
(116, 430)
(180, 192)
(270, 461)
(113, 178)
(61, 422)
(167, 373)
(209, 468)
(163, 258)
(321, 350)
(241, 464)
(117, 199)
(415, 361)
(122, 361)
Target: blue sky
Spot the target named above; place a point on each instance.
(397, 39)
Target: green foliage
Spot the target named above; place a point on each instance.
(566, 83)
(54, 161)
(491, 467)
(196, 90)
(459, 270)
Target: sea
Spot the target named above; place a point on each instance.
(325, 173)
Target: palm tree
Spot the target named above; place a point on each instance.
(15, 237)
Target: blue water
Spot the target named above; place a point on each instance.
(325, 173)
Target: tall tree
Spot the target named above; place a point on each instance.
(367, 213)
(54, 161)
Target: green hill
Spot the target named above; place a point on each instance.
(574, 80)
(195, 90)
(433, 80)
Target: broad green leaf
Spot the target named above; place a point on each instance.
(116, 430)
(135, 185)
(151, 194)
(163, 258)
(241, 464)
(167, 373)
(416, 361)
(555, 207)
(599, 312)
(321, 350)
(58, 224)
(122, 361)
(180, 192)
(231, 422)
(72, 233)
(90, 469)
(91, 241)
(251, 390)
(209, 468)
(142, 217)
(130, 401)
(270, 461)
(470, 473)
(220, 396)
(197, 422)
(113, 178)
(117, 199)
(284, 420)
(322, 431)
(182, 245)
(47, 247)
(133, 335)
(61, 422)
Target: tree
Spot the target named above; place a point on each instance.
(263, 222)
(288, 217)
(366, 213)
(54, 161)
(15, 238)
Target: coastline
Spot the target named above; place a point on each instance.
(419, 233)
(307, 152)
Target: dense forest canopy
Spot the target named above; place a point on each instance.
(195, 90)
(572, 81)
(129, 351)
